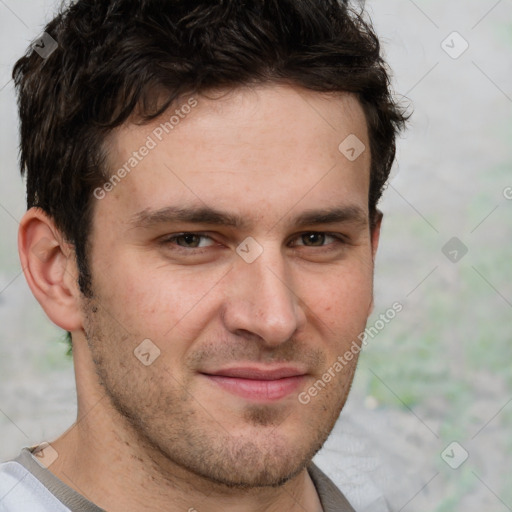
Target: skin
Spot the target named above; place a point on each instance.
(164, 436)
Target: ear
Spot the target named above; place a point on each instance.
(375, 226)
(49, 266)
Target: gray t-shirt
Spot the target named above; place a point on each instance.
(26, 486)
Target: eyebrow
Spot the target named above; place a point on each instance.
(194, 215)
(347, 214)
(205, 215)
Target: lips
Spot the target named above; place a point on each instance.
(258, 383)
(260, 373)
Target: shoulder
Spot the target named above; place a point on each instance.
(331, 497)
(21, 491)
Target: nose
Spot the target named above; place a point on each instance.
(262, 301)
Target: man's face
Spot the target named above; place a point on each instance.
(243, 325)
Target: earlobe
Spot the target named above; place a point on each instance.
(49, 267)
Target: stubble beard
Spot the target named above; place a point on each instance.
(173, 431)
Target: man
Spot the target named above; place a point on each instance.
(202, 188)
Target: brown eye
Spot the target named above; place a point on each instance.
(319, 239)
(313, 239)
(188, 240)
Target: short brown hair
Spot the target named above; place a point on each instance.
(113, 54)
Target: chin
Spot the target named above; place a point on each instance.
(264, 459)
(247, 475)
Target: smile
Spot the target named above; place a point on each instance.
(263, 385)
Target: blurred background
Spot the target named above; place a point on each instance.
(428, 423)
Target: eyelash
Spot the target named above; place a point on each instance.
(169, 240)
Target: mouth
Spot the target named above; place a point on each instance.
(261, 384)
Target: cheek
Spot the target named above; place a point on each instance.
(343, 303)
(159, 302)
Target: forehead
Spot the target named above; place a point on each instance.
(265, 146)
